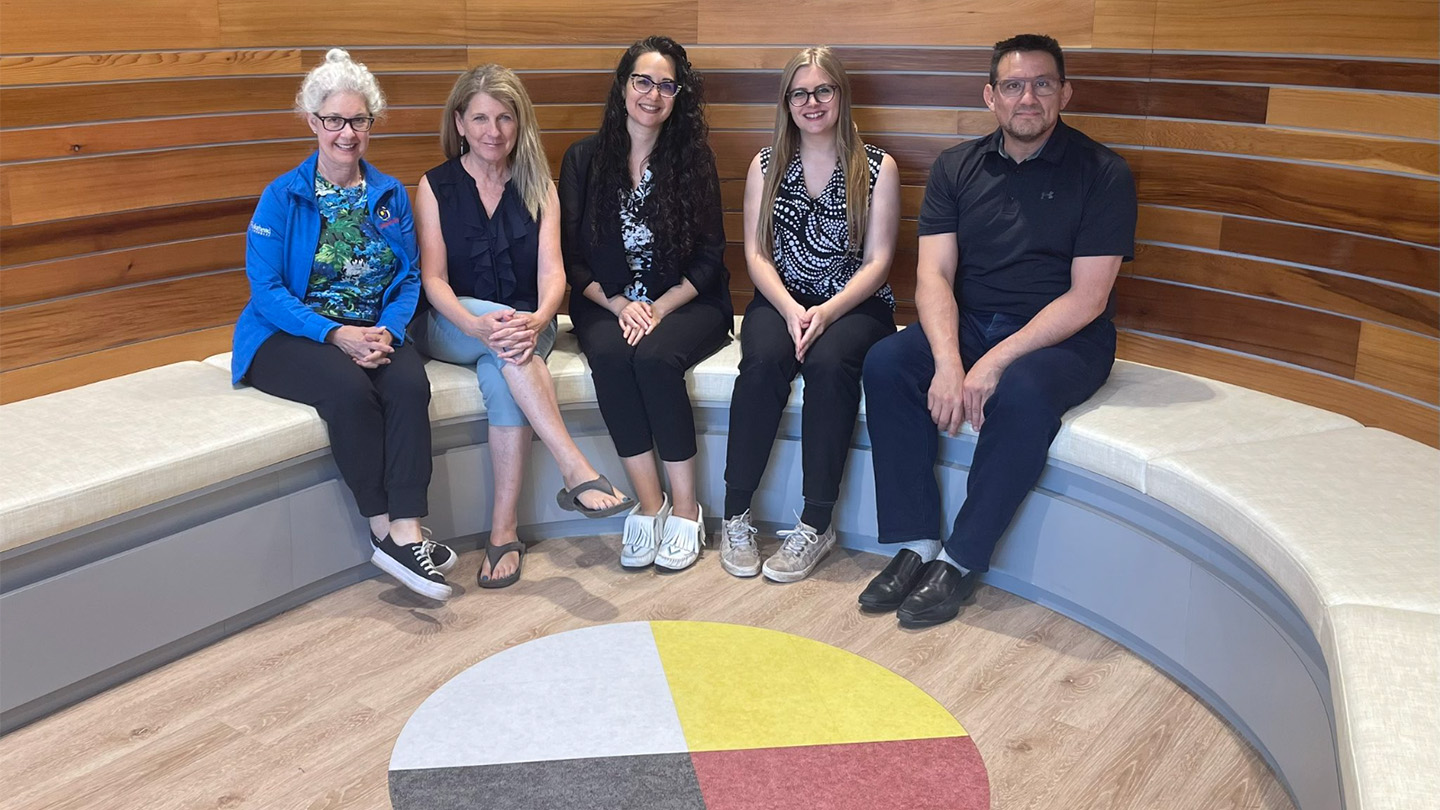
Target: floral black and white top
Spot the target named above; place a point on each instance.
(813, 252)
(353, 263)
(638, 239)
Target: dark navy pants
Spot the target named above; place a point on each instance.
(1022, 417)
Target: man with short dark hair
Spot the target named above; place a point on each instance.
(1022, 233)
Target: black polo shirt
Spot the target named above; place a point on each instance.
(1019, 225)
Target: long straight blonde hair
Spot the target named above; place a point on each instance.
(529, 169)
(848, 144)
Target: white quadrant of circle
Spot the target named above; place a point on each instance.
(594, 692)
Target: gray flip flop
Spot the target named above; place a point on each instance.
(569, 499)
(493, 555)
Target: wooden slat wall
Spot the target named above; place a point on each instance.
(1286, 155)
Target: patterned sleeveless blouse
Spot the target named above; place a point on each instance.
(812, 251)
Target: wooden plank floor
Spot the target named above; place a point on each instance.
(302, 711)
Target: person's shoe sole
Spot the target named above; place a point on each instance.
(912, 622)
(670, 565)
(880, 607)
(406, 577)
(737, 571)
(635, 564)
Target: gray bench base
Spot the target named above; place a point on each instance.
(90, 609)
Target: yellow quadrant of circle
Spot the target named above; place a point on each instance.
(739, 687)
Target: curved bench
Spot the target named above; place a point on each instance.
(1279, 560)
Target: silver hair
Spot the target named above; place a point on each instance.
(338, 74)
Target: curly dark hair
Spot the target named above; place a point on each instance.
(682, 163)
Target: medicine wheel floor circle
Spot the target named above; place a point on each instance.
(683, 716)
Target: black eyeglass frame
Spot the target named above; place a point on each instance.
(355, 123)
(805, 95)
(638, 79)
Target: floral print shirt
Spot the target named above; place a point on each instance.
(639, 241)
(353, 263)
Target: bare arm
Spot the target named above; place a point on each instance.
(935, 270)
(550, 279)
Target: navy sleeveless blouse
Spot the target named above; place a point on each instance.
(490, 257)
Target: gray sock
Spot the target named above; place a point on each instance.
(945, 556)
(927, 549)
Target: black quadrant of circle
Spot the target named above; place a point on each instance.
(653, 782)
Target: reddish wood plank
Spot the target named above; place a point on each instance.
(1315, 340)
(128, 229)
(1414, 265)
(97, 271)
(1363, 74)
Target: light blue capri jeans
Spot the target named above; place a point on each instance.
(443, 340)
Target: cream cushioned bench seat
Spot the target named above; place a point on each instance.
(1343, 519)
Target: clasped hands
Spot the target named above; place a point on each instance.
(637, 318)
(805, 326)
(368, 346)
(956, 394)
(511, 335)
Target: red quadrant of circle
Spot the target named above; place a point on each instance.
(896, 775)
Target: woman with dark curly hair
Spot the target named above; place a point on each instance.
(643, 239)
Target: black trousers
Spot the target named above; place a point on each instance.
(1022, 417)
(378, 419)
(641, 389)
(832, 370)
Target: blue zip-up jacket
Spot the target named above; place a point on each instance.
(280, 250)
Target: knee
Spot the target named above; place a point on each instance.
(500, 405)
(881, 367)
(766, 364)
(656, 360)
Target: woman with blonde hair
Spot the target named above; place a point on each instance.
(489, 226)
(822, 211)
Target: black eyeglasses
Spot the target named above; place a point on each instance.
(644, 84)
(799, 97)
(335, 123)
(1015, 88)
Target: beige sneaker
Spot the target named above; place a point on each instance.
(738, 554)
(802, 550)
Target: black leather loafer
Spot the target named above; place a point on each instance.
(890, 587)
(938, 597)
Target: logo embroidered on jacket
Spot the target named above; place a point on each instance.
(1047, 195)
(261, 229)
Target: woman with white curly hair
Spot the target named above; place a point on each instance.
(334, 279)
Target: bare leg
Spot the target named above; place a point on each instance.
(405, 531)
(682, 488)
(380, 525)
(645, 477)
(534, 391)
(509, 446)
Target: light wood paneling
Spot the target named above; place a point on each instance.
(1124, 24)
(1402, 208)
(1366, 405)
(578, 22)
(258, 23)
(147, 179)
(29, 27)
(1360, 151)
(924, 22)
(1196, 228)
(111, 67)
(554, 58)
(390, 60)
(1304, 337)
(98, 271)
(89, 323)
(71, 372)
(1331, 292)
(1396, 28)
(1399, 361)
(1380, 113)
(129, 229)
